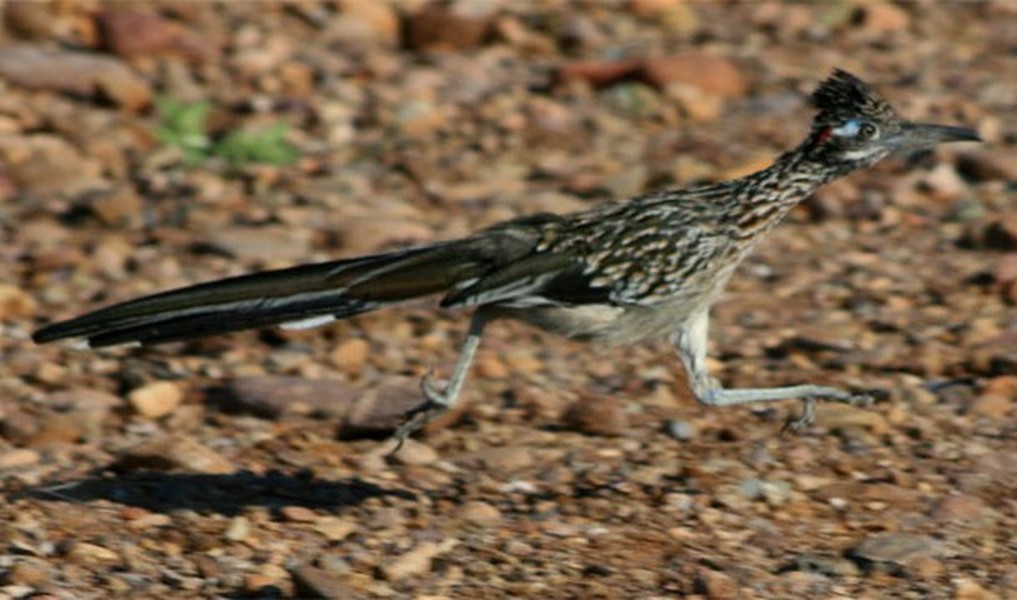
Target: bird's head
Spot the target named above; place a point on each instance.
(856, 127)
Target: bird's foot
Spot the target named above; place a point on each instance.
(436, 403)
(808, 416)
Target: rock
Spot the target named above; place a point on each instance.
(896, 548)
(269, 243)
(416, 454)
(176, 452)
(312, 582)
(379, 410)
(18, 426)
(155, 400)
(968, 589)
(15, 302)
(843, 416)
(716, 585)
(528, 41)
(80, 73)
(19, 457)
(992, 406)
(298, 514)
(118, 206)
(351, 355)
(828, 566)
(454, 26)
(150, 521)
(677, 16)
(506, 459)
(89, 409)
(1006, 269)
(363, 235)
(335, 529)
(272, 396)
(880, 16)
(943, 183)
(651, 8)
(597, 416)
(1003, 385)
(1010, 293)
(491, 367)
(239, 529)
(775, 493)
(1001, 234)
(480, 513)
(967, 210)
(985, 165)
(56, 428)
(628, 182)
(926, 568)
(599, 74)
(261, 54)
(45, 164)
(50, 373)
(960, 507)
(698, 105)
(27, 574)
(417, 561)
(255, 583)
(713, 74)
(376, 22)
(31, 20)
(85, 552)
(681, 430)
(135, 32)
(580, 30)
(419, 118)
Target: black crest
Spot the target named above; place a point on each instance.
(843, 96)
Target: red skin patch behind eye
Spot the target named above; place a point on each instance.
(825, 135)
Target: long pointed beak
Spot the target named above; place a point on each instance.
(920, 135)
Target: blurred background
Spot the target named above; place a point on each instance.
(148, 145)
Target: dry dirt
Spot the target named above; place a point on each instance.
(253, 465)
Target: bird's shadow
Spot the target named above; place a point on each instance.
(223, 494)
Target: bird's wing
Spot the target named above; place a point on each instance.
(555, 270)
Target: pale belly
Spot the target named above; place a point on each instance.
(608, 324)
(625, 324)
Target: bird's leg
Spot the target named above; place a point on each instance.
(438, 401)
(691, 340)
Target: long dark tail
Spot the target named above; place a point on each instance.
(299, 296)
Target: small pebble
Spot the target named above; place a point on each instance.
(479, 512)
(335, 528)
(896, 548)
(19, 457)
(155, 400)
(298, 514)
(597, 416)
(85, 552)
(681, 430)
(417, 561)
(239, 529)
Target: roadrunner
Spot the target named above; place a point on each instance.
(619, 273)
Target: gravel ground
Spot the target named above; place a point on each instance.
(253, 465)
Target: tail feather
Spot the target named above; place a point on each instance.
(298, 294)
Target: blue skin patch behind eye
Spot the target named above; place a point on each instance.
(848, 129)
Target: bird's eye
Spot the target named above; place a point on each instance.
(867, 131)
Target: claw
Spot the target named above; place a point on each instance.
(808, 416)
(435, 403)
(430, 389)
(809, 411)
